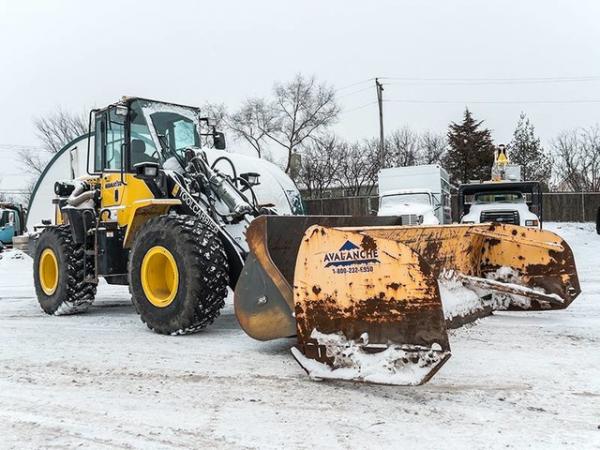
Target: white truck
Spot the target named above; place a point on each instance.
(518, 203)
(418, 194)
(503, 199)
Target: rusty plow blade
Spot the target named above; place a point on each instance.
(523, 268)
(362, 294)
(367, 309)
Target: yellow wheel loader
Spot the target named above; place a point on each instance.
(360, 293)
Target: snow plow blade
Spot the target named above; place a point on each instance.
(363, 299)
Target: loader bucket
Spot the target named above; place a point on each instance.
(264, 302)
(362, 294)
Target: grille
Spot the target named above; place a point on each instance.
(500, 217)
(410, 219)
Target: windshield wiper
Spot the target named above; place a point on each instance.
(168, 150)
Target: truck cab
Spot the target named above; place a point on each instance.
(414, 206)
(11, 222)
(420, 195)
(517, 203)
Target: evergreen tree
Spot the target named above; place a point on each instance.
(526, 150)
(470, 153)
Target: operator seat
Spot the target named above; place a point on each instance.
(138, 152)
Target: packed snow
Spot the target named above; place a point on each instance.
(103, 380)
(398, 365)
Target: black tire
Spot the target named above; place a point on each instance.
(598, 221)
(72, 294)
(202, 269)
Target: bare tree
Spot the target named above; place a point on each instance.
(252, 122)
(25, 197)
(301, 109)
(216, 113)
(322, 160)
(360, 167)
(58, 128)
(55, 131)
(33, 161)
(576, 156)
(432, 147)
(402, 148)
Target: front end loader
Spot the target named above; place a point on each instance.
(158, 213)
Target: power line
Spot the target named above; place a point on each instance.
(500, 102)
(497, 80)
(354, 84)
(374, 102)
(368, 88)
(478, 83)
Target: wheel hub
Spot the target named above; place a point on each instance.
(48, 270)
(160, 276)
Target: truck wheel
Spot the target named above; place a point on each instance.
(58, 273)
(178, 274)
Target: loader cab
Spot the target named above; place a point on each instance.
(137, 131)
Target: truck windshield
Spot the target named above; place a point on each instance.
(499, 197)
(420, 198)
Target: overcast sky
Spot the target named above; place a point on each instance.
(77, 54)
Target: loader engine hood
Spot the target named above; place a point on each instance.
(275, 186)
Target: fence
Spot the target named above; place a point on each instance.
(557, 207)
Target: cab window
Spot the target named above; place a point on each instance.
(99, 143)
(115, 138)
(141, 144)
(176, 132)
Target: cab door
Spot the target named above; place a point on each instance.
(110, 146)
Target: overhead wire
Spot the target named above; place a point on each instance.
(514, 80)
(499, 102)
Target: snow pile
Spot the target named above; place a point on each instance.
(396, 365)
(458, 300)
(14, 258)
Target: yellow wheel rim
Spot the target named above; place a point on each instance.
(48, 271)
(160, 277)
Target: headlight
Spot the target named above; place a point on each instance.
(532, 223)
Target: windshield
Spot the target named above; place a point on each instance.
(5, 217)
(176, 127)
(499, 197)
(420, 198)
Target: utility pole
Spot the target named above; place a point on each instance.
(379, 88)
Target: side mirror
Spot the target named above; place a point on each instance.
(219, 140)
(146, 170)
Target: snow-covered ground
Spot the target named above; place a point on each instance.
(102, 380)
